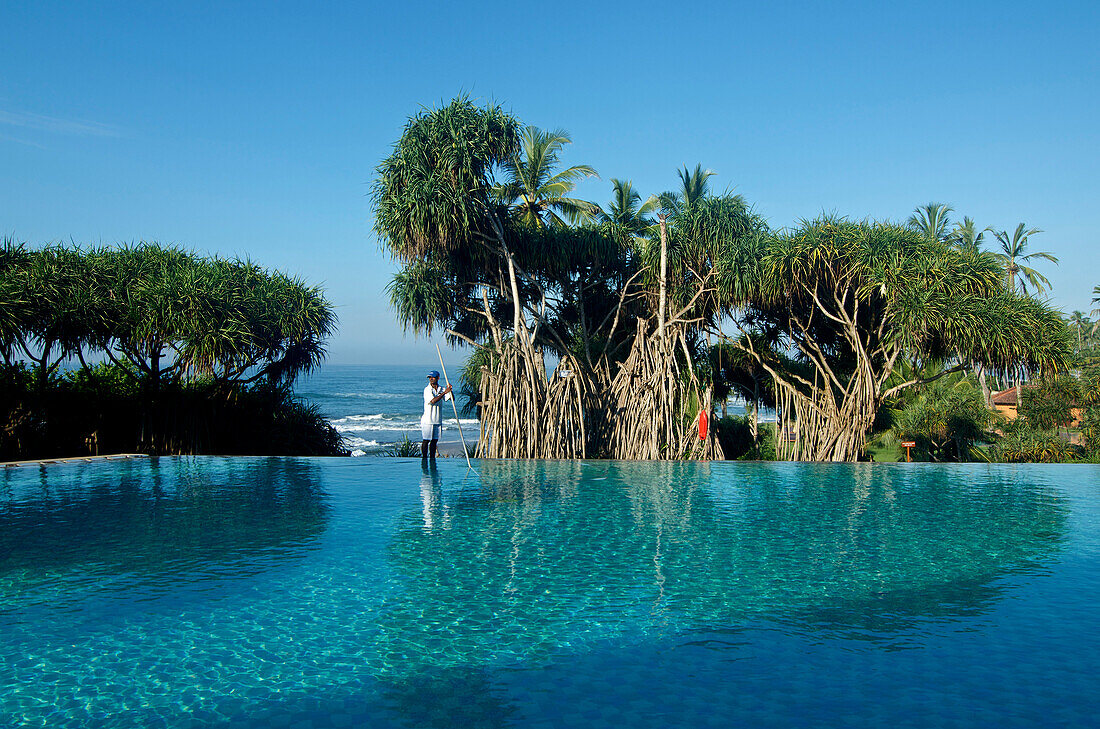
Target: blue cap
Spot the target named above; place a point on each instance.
(434, 374)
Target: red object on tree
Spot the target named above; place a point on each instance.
(703, 425)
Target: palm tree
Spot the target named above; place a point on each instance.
(535, 193)
(626, 209)
(931, 220)
(966, 235)
(1078, 321)
(1095, 312)
(1013, 254)
(693, 187)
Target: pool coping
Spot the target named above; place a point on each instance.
(73, 459)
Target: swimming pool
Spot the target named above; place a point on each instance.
(191, 592)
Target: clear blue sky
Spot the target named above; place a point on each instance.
(255, 129)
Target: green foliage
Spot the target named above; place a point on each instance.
(229, 319)
(932, 220)
(405, 449)
(102, 410)
(47, 298)
(1095, 312)
(482, 359)
(945, 419)
(715, 239)
(933, 300)
(536, 194)
(474, 206)
(765, 442)
(104, 379)
(626, 211)
(432, 195)
(164, 311)
(735, 437)
(693, 188)
(854, 300)
(966, 235)
(176, 328)
(14, 303)
(420, 296)
(1024, 444)
(1049, 402)
(1090, 430)
(466, 241)
(1013, 255)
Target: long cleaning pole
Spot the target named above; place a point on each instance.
(446, 379)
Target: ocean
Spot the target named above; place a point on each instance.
(375, 407)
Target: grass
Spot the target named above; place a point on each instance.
(886, 453)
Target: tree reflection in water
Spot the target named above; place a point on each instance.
(147, 520)
(539, 557)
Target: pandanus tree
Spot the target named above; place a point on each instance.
(143, 320)
(472, 263)
(14, 298)
(588, 294)
(49, 294)
(164, 317)
(685, 269)
(252, 324)
(854, 300)
(165, 313)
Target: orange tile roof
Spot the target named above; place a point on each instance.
(1008, 397)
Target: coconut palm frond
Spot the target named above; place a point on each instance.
(932, 220)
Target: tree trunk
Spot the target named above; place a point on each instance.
(664, 278)
(754, 425)
(987, 395)
(655, 401)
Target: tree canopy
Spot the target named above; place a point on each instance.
(854, 298)
(827, 310)
(161, 311)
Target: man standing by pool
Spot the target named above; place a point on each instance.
(431, 422)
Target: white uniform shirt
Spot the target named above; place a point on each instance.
(433, 413)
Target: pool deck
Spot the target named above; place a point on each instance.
(77, 459)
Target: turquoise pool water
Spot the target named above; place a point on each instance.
(331, 593)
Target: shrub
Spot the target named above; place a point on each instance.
(405, 449)
(945, 420)
(735, 436)
(1049, 403)
(1090, 430)
(1023, 444)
